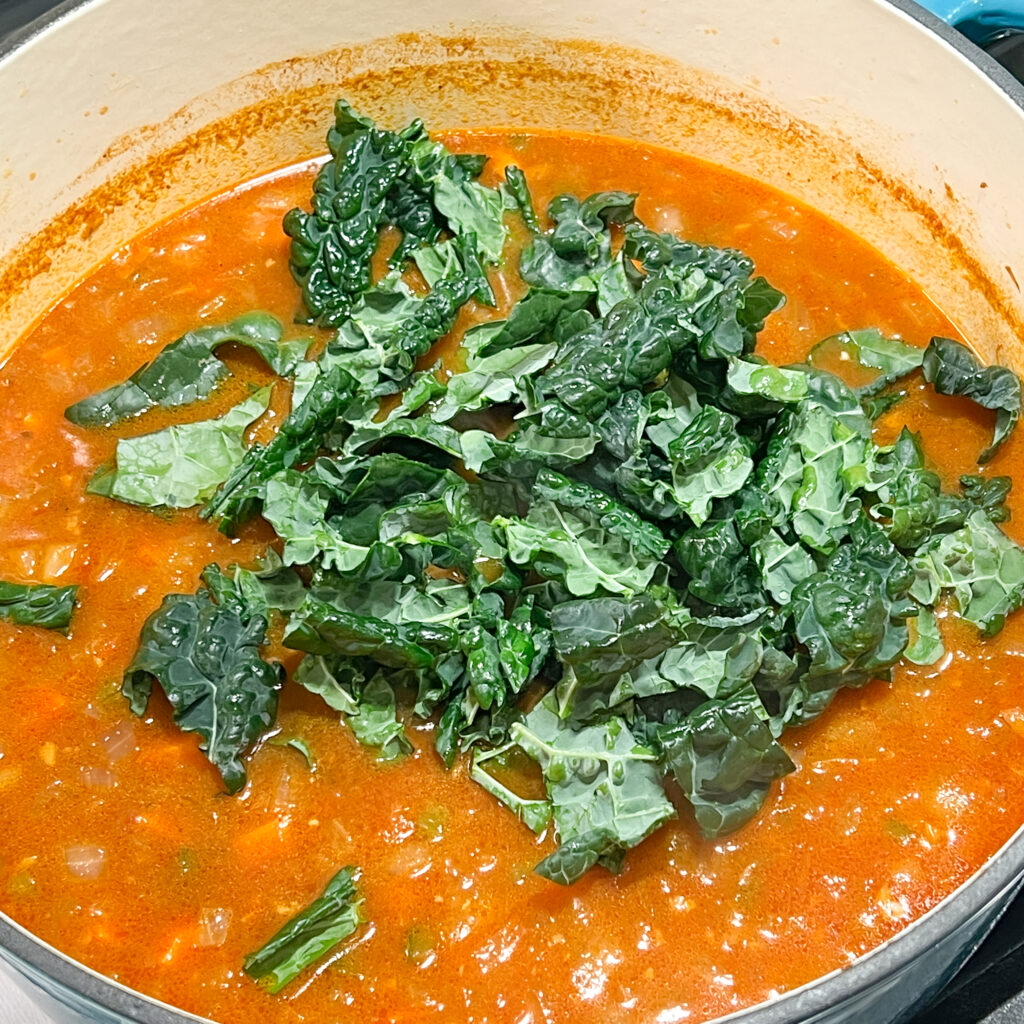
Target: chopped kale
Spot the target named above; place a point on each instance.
(37, 604)
(310, 935)
(616, 543)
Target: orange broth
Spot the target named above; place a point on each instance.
(901, 792)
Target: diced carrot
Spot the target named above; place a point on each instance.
(160, 822)
(184, 937)
(183, 750)
(267, 840)
(47, 703)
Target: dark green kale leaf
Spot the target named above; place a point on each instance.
(515, 183)
(187, 370)
(576, 254)
(389, 327)
(727, 306)
(720, 570)
(378, 177)
(540, 314)
(300, 437)
(982, 567)
(321, 628)
(851, 618)
(602, 639)
(926, 646)
(783, 565)
(953, 369)
(37, 604)
(713, 657)
(724, 757)
(814, 464)
(268, 588)
(752, 375)
(310, 935)
(707, 457)
(332, 247)
(203, 652)
(605, 789)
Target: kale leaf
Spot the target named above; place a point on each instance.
(187, 370)
(724, 757)
(299, 438)
(982, 567)
(181, 465)
(953, 369)
(310, 935)
(377, 177)
(578, 535)
(203, 652)
(369, 705)
(37, 604)
(605, 789)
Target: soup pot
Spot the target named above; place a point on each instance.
(117, 113)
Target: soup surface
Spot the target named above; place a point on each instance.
(121, 848)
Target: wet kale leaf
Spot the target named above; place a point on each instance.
(187, 370)
(37, 604)
(310, 935)
(203, 651)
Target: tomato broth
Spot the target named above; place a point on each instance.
(121, 848)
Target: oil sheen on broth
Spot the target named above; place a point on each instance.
(121, 849)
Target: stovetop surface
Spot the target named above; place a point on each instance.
(990, 989)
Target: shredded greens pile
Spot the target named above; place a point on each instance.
(616, 540)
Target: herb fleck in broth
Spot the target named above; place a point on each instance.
(900, 790)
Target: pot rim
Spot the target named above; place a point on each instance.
(997, 878)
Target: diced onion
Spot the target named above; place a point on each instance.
(85, 861)
(213, 926)
(58, 559)
(119, 742)
(99, 778)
